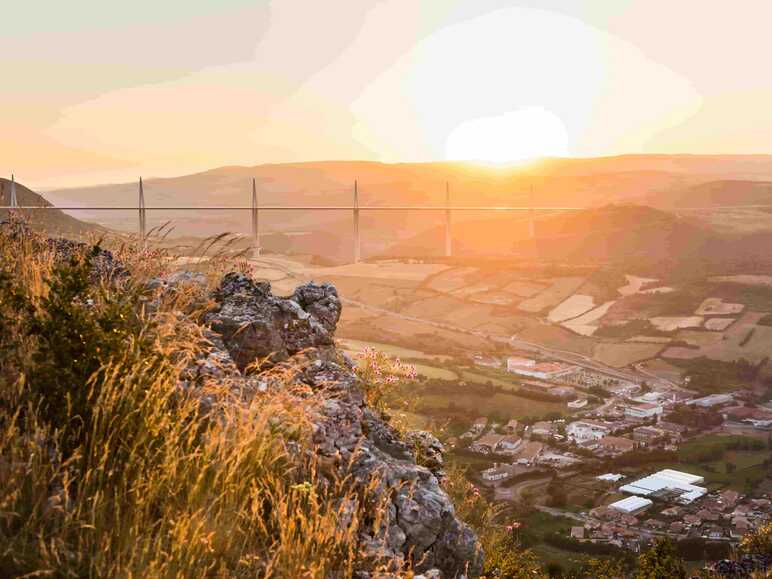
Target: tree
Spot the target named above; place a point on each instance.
(660, 562)
(730, 467)
(604, 569)
(758, 542)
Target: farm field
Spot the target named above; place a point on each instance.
(624, 354)
(672, 323)
(559, 290)
(762, 280)
(480, 405)
(634, 285)
(718, 324)
(572, 307)
(391, 350)
(743, 339)
(586, 323)
(718, 307)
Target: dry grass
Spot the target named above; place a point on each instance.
(160, 484)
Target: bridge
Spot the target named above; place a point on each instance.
(355, 208)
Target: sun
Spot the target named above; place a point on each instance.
(514, 136)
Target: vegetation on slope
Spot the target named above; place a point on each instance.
(108, 468)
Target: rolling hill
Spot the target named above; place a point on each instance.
(52, 222)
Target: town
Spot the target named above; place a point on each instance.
(647, 458)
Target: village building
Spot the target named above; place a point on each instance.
(509, 444)
(643, 411)
(681, 485)
(647, 435)
(614, 445)
(486, 444)
(529, 453)
(583, 430)
(511, 426)
(712, 401)
(542, 370)
(631, 505)
(544, 428)
(497, 472)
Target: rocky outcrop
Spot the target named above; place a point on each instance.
(258, 330)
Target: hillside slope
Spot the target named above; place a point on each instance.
(52, 222)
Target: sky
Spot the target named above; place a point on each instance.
(98, 91)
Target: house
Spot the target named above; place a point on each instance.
(643, 411)
(712, 401)
(578, 403)
(544, 428)
(509, 444)
(486, 361)
(707, 515)
(615, 444)
(511, 426)
(529, 453)
(583, 430)
(676, 527)
(563, 392)
(671, 429)
(497, 472)
(577, 533)
(647, 434)
(487, 444)
(692, 520)
(477, 428)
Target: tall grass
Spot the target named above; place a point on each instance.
(149, 481)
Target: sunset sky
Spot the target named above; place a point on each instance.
(96, 90)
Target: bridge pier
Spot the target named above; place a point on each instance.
(255, 223)
(142, 215)
(357, 240)
(448, 236)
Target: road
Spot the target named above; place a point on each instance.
(554, 353)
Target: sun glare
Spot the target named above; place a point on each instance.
(514, 136)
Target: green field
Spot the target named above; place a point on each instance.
(356, 346)
(694, 457)
(498, 404)
(484, 376)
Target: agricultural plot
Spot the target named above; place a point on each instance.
(718, 324)
(717, 307)
(524, 289)
(495, 297)
(572, 307)
(634, 285)
(586, 324)
(762, 280)
(450, 280)
(663, 369)
(390, 349)
(649, 339)
(558, 291)
(698, 338)
(498, 404)
(624, 354)
(743, 339)
(672, 323)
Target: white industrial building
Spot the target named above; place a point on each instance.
(631, 505)
(584, 430)
(666, 481)
(644, 410)
(543, 370)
